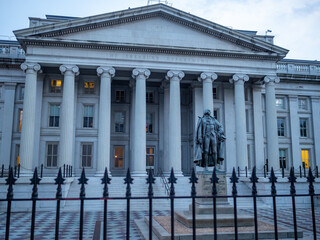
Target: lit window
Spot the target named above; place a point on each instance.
(120, 96)
(86, 155)
(305, 158)
(150, 157)
(281, 127)
(283, 158)
(17, 154)
(118, 156)
(52, 155)
(215, 95)
(119, 122)
(89, 87)
(20, 119)
(303, 127)
(280, 103)
(149, 97)
(149, 123)
(54, 115)
(88, 116)
(56, 86)
(303, 104)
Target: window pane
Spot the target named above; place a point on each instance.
(118, 156)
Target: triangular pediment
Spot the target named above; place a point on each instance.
(156, 26)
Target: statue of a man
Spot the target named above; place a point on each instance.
(209, 141)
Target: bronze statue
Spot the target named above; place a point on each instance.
(209, 141)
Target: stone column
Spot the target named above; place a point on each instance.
(28, 119)
(294, 132)
(258, 126)
(139, 164)
(315, 106)
(207, 79)
(241, 134)
(166, 106)
(7, 124)
(271, 122)
(175, 121)
(132, 85)
(105, 74)
(67, 115)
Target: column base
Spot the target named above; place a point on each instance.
(139, 173)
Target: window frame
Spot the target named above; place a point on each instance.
(308, 159)
(283, 160)
(54, 121)
(89, 89)
(281, 128)
(154, 157)
(122, 99)
(20, 117)
(148, 94)
(47, 154)
(300, 106)
(306, 135)
(124, 122)
(148, 124)
(84, 120)
(55, 88)
(87, 144)
(280, 107)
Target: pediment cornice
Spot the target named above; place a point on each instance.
(159, 10)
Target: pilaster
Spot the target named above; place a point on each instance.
(294, 131)
(315, 106)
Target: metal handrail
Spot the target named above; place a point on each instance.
(164, 181)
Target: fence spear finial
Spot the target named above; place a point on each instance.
(10, 181)
(254, 179)
(35, 180)
(273, 180)
(292, 179)
(105, 180)
(310, 180)
(234, 179)
(59, 181)
(193, 179)
(150, 180)
(172, 180)
(83, 180)
(214, 180)
(128, 180)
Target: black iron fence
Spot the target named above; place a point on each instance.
(172, 180)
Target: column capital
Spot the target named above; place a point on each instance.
(109, 71)
(207, 76)
(143, 72)
(239, 77)
(74, 69)
(30, 66)
(271, 79)
(174, 75)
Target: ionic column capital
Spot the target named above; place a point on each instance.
(207, 76)
(271, 79)
(109, 71)
(174, 75)
(140, 72)
(74, 69)
(30, 66)
(239, 78)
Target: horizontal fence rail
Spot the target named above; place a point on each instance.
(172, 181)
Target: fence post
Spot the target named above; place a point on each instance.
(35, 181)
(71, 171)
(214, 180)
(311, 179)
(41, 171)
(254, 180)
(150, 180)
(235, 180)
(82, 180)
(317, 172)
(292, 179)
(282, 172)
(304, 170)
(64, 170)
(172, 180)
(246, 171)
(264, 171)
(300, 171)
(105, 180)
(18, 170)
(58, 181)
(238, 171)
(128, 180)
(273, 180)
(9, 181)
(2, 170)
(15, 170)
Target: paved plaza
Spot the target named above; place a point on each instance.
(69, 223)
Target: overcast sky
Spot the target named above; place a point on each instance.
(294, 23)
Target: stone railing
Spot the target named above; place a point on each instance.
(7, 51)
(298, 68)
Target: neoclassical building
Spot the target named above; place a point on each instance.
(125, 89)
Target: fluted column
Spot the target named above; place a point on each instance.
(67, 115)
(271, 122)
(28, 120)
(139, 164)
(105, 73)
(241, 135)
(166, 106)
(207, 79)
(175, 121)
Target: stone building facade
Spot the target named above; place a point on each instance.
(125, 89)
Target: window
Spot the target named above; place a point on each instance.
(55, 86)
(149, 123)
(283, 158)
(305, 158)
(88, 116)
(303, 127)
(20, 119)
(303, 104)
(21, 94)
(281, 127)
(119, 122)
(150, 157)
(88, 87)
(52, 155)
(280, 103)
(120, 96)
(118, 156)
(149, 97)
(215, 94)
(215, 113)
(86, 155)
(54, 115)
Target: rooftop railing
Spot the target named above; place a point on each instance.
(298, 68)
